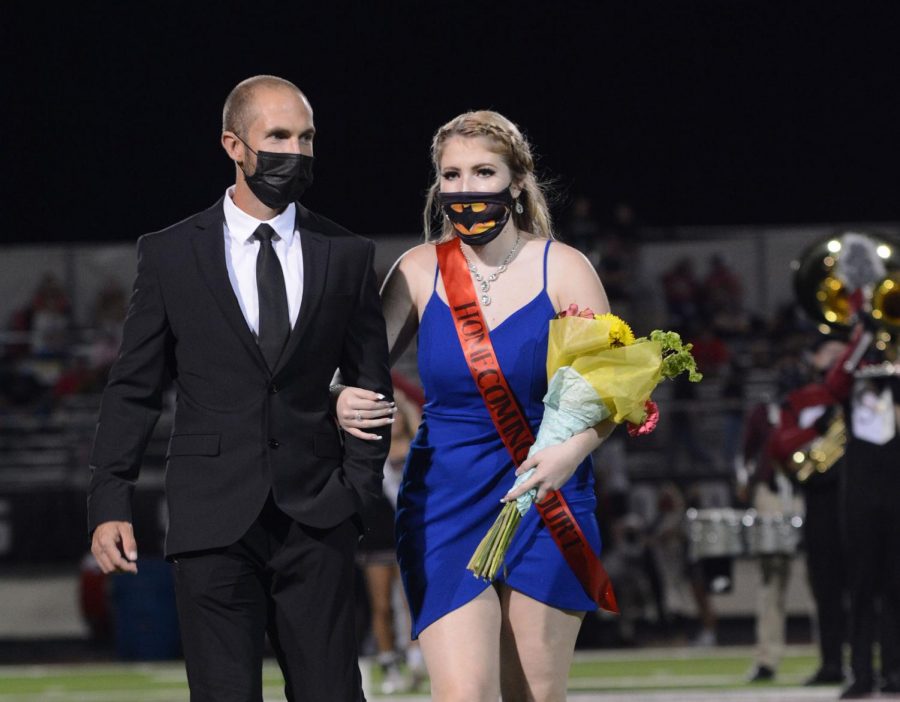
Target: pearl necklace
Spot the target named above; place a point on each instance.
(485, 283)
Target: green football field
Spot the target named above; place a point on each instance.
(681, 674)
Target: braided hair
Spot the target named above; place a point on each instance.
(507, 140)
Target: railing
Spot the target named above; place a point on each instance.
(43, 479)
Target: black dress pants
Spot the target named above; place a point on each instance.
(825, 564)
(872, 492)
(290, 580)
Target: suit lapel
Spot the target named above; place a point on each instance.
(316, 248)
(209, 248)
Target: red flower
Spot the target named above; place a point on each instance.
(651, 418)
(572, 311)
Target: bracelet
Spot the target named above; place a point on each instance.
(337, 387)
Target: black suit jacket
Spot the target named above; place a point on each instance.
(240, 430)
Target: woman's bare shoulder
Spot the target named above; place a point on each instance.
(413, 272)
(571, 259)
(571, 277)
(421, 257)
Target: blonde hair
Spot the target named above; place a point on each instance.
(506, 140)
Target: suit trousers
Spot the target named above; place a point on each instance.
(826, 566)
(295, 583)
(871, 486)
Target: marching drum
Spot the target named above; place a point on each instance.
(769, 534)
(714, 533)
(731, 533)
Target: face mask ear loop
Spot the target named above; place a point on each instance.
(245, 143)
(250, 148)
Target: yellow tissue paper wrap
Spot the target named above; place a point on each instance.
(622, 376)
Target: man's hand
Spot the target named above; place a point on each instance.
(114, 547)
(823, 423)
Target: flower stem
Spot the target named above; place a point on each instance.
(489, 556)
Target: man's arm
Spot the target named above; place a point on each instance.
(364, 364)
(130, 407)
(789, 436)
(839, 378)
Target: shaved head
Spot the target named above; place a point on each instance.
(239, 106)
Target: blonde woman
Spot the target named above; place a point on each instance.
(513, 637)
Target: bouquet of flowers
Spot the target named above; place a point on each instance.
(596, 370)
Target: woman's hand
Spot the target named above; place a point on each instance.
(553, 466)
(357, 409)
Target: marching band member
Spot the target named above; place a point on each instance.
(805, 415)
(871, 487)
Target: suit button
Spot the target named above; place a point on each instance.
(273, 443)
(273, 388)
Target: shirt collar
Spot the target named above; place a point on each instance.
(241, 225)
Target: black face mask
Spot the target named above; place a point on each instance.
(279, 179)
(477, 218)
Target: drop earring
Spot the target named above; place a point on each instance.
(519, 208)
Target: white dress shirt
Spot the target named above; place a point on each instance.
(241, 249)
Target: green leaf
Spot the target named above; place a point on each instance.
(676, 355)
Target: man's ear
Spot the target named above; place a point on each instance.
(233, 146)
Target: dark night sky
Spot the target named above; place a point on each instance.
(699, 112)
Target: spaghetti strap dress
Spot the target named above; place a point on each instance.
(458, 469)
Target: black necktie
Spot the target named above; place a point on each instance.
(274, 319)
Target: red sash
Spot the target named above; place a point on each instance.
(511, 423)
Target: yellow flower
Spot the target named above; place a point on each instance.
(620, 333)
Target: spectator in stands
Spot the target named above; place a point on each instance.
(791, 327)
(683, 432)
(732, 394)
(582, 230)
(20, 390)
(616, 264)
(712, 355)
(77, 377)
(721, 285)
(722, 300)
(46, 320)
(710, 351)
(681, 289)
(110, 307)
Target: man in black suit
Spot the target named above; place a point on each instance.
(250, 307)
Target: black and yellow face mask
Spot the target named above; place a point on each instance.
(477, 218)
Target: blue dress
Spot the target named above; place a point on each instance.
(458, 469)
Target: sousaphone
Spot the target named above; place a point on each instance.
(840, 280)
(846, 277)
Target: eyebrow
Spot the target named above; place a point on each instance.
(477, 165)
(281, 131)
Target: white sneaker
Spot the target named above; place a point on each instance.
(418, 675)
(393, 681)
(704, 639)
